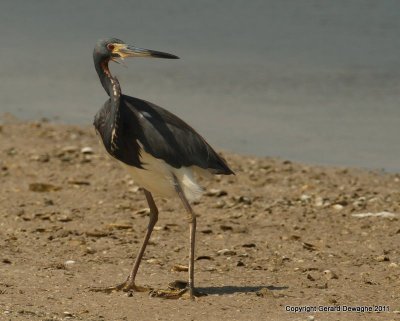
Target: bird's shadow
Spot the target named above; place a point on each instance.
(231, 289)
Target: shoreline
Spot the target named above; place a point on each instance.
(8, 118)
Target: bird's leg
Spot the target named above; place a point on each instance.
(181, 289)
(129, 284)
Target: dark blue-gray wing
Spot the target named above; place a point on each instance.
(165, 136)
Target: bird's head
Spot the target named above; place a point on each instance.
(112, 49)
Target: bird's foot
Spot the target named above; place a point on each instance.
(177, 290)
(126, 286)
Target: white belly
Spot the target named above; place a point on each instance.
(158, 178)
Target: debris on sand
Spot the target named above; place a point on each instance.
(380, 214)
(43, 187)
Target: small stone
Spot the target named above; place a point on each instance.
(119, 226)
(216, 192)
(134, 189)
(360, 202)
(87, 150)
(310, 277)
(90, 250)
(240, 263)
(78, 182)
(203, 257)
(337, 207)
(264, 292)
(319, 201)
(309, 246)
(382, 258)
(143, 211)
(393, 265)
(48, 202)
(249, 245)
(64, 218)
(44, 158)
(210, 269)
(244, 199)
(329, 275)
(97, 233)
(220, 204)
(154, 261)
(180, 268)
(226, 252)
(43, 187)
(69, 149)
(69, 262)
(226, 228)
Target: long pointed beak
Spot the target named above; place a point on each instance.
(130, 51)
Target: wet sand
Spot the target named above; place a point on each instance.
(277, 234)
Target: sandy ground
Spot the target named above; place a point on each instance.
(276, 235)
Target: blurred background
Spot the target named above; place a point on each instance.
(316, 81)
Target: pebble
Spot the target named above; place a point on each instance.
(180, 268)
(143, 211)
(204, 257)
(249, 245)
(44, 158)
(97, 233)
(69, 149)
(154, 261)
(360, 202)
(264, 292)
(243, 199)
(119, 226)
(240, 263)
(226, 252)
(329, 275)
(210, 269)
(220, 204)
(43, 187)
(382, 258)
(69, 262)
(226, 227)
(337, 207)
(64, 218)
(319, 201)
(87, 150)
(90, 250)
(393, 265)
(310, 277)
(216, 192)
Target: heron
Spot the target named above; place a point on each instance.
(162, 152)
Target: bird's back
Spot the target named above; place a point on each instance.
(139, 124)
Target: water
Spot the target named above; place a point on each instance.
(313, 81)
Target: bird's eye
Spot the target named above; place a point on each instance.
(110, 46)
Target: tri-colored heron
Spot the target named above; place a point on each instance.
(162, 152)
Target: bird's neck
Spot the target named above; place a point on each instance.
(109, 83)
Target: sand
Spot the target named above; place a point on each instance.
(276, 236)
